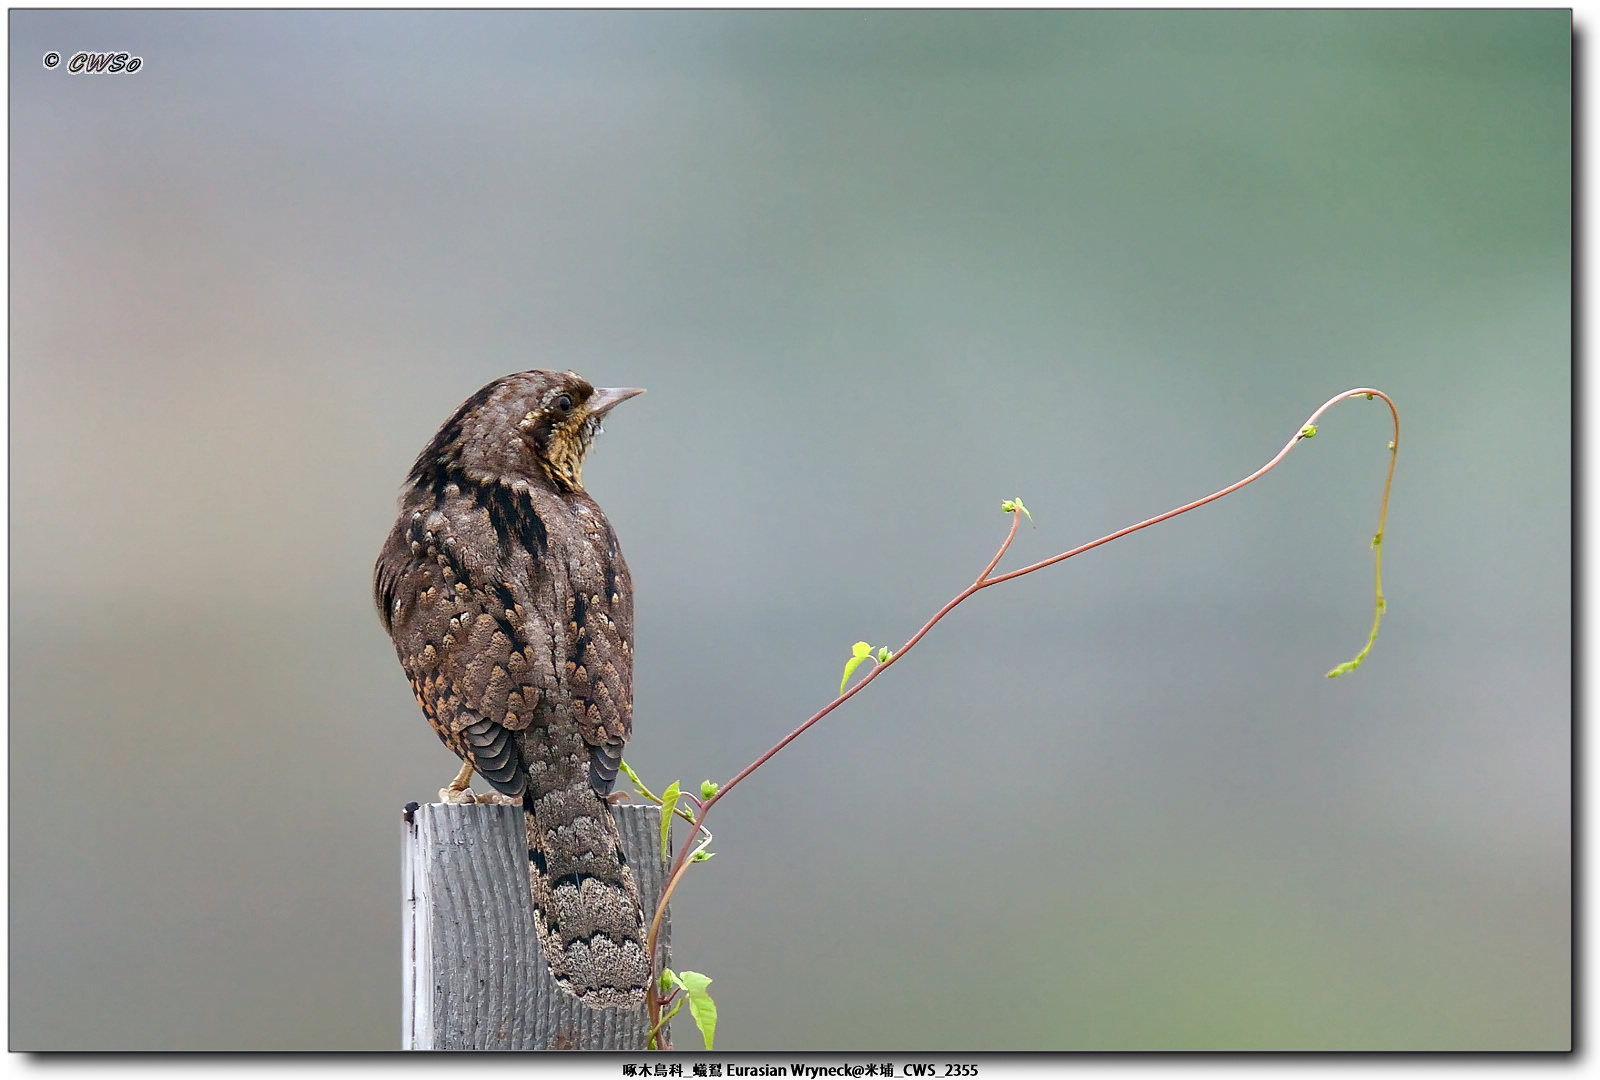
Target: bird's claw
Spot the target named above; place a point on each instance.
(463, 796)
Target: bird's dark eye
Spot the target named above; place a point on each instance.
(564, 403)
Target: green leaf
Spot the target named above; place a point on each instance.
(849, 666)
(637, 783)
(884, 655)
(702, 856)
(1309, 431)
(860, 650)
(1009, 507)
(667, 981)
(669, 803)
(701, 1007)
(708, 788)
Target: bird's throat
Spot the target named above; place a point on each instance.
(563, 464)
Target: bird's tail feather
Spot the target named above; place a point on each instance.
(585, 903)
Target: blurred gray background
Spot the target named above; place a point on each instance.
(879, 272)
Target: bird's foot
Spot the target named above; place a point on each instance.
(458, 790)
(462, 796)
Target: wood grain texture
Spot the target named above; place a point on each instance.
(474, 973)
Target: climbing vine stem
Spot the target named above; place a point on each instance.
(884, 659)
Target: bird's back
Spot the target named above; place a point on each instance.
(511, 610)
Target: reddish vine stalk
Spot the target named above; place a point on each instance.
(681, 862)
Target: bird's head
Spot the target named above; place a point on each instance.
(532, 426)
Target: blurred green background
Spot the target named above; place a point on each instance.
(879, 271)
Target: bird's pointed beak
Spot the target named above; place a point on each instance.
(606, 398)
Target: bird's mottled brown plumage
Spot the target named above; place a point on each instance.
(511, 609)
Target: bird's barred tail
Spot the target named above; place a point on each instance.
(585, 903)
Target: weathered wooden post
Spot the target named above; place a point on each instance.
(474, 972)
